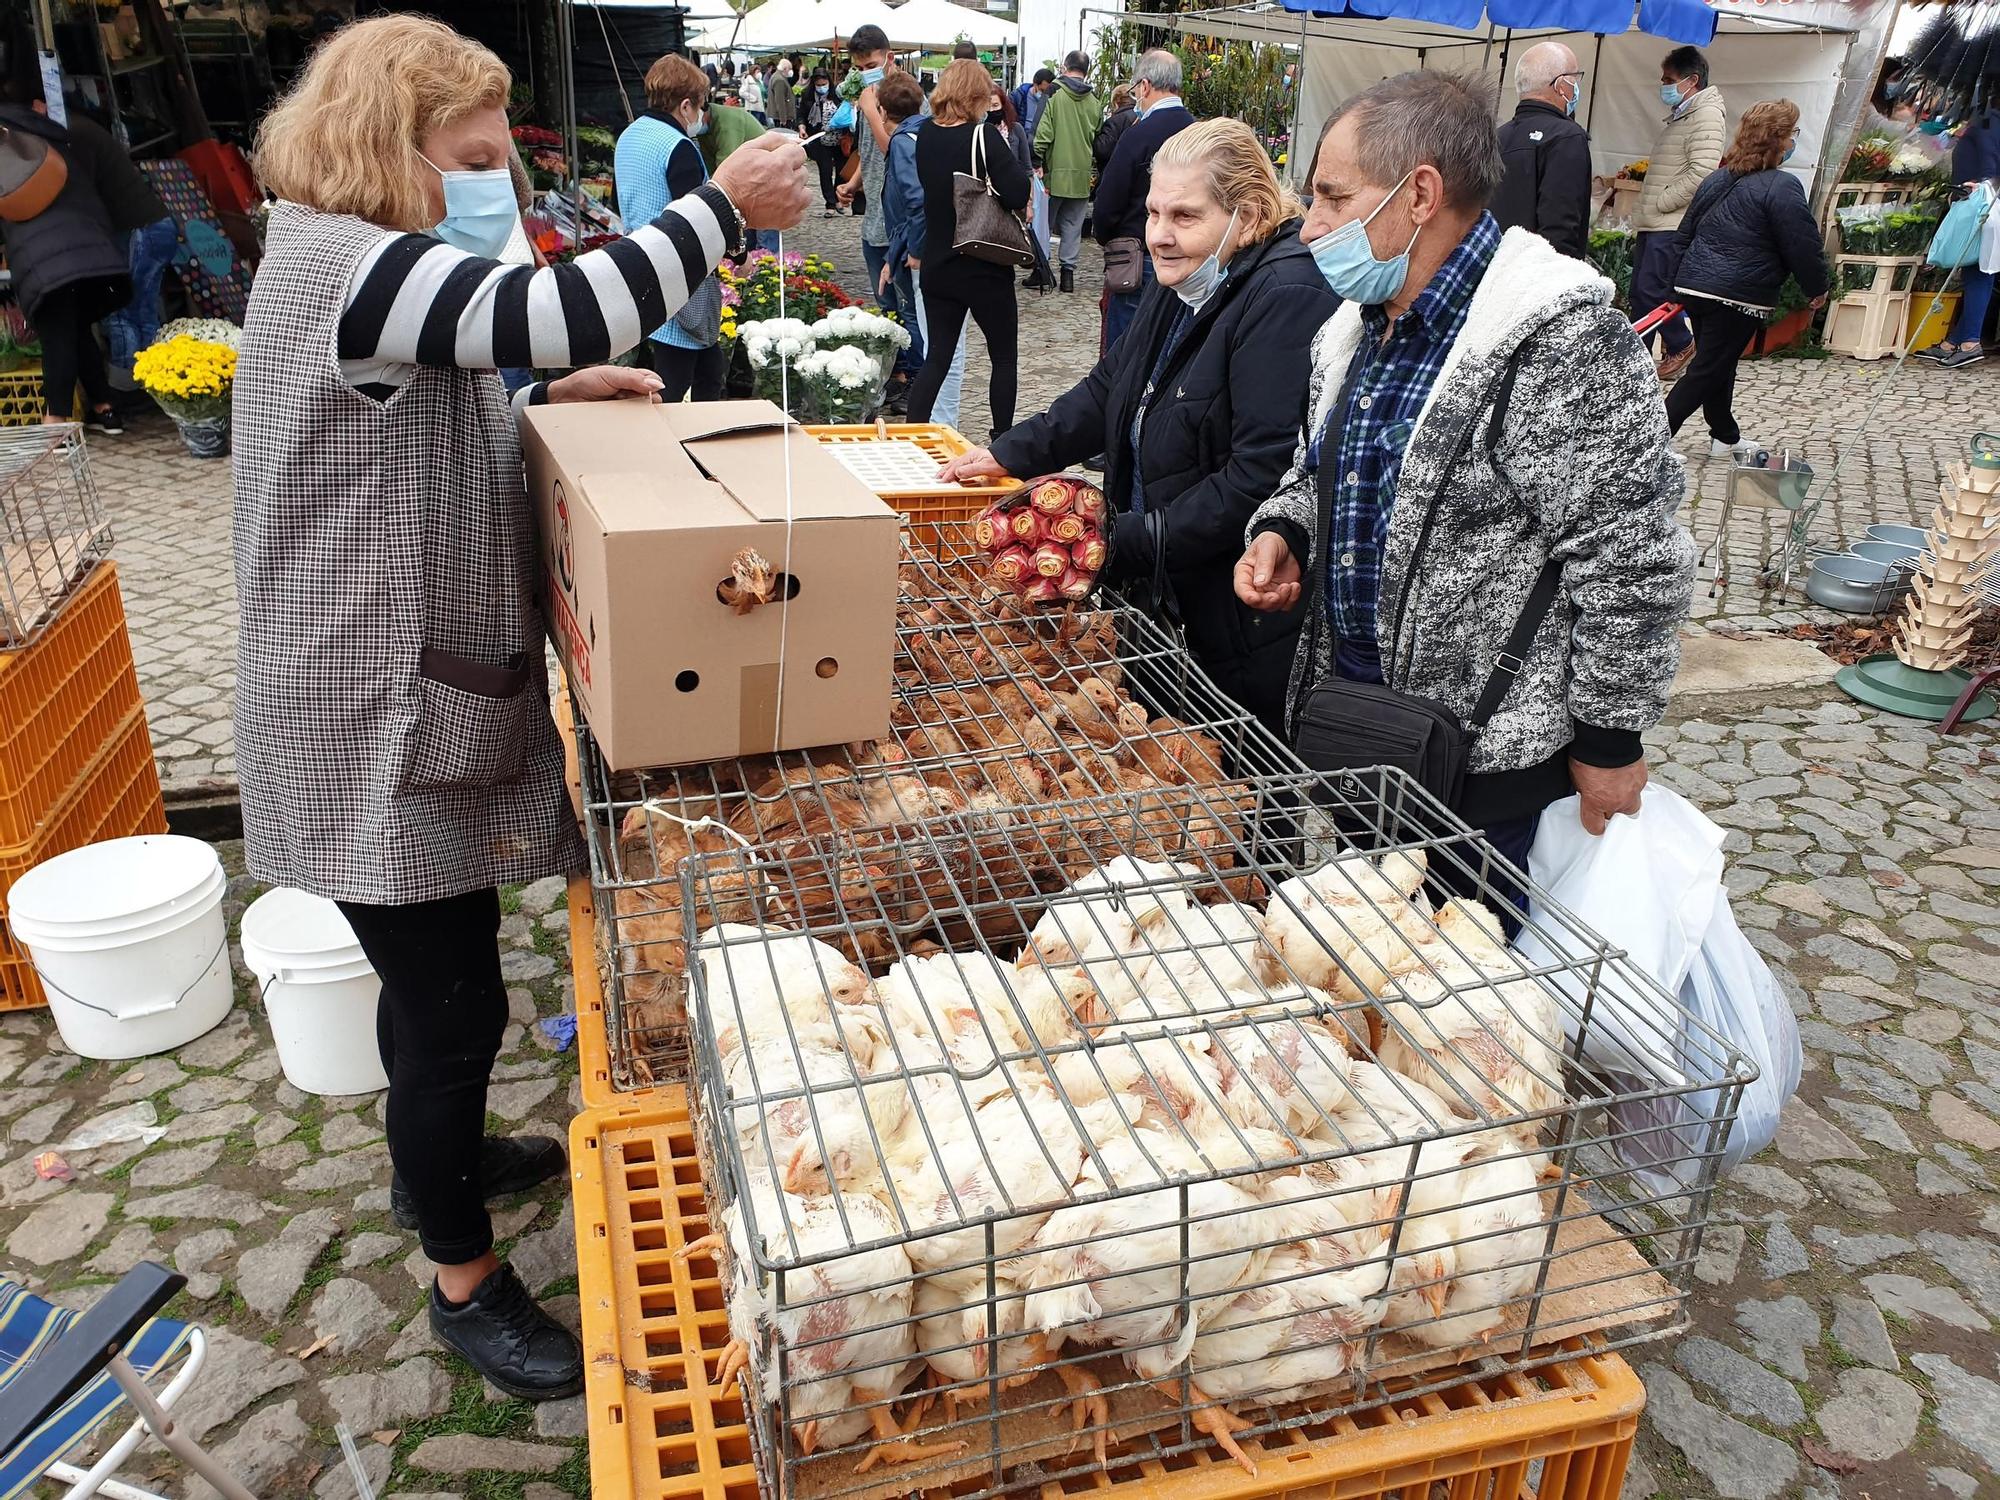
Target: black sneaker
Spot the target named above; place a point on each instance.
(508, 1164)
(106, 421)
(1963, 355)
(503, 1333)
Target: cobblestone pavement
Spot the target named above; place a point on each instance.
(172, 512)
(275, 1205)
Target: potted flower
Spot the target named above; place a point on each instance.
(772, 344)
(882, 338)
(843, 385)
(191, 378)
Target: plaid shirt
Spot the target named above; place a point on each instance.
(1391, 382)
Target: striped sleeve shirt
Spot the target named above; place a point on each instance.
(417, 301)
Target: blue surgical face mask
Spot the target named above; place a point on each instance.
(1670, 95)
(1201, 283)
(479, 210)
(1788, 152)
(1575, 93)
(871, 75)
(1348, 262)
(819, 88)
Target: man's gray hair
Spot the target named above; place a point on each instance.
(1159, 70)
(1540, 66)
(1427, 116)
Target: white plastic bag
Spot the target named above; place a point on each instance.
(1646, 884)
(1652, 884)
(1989, 244)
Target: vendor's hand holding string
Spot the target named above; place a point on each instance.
(765, 178)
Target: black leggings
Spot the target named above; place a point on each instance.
(69, 353)
(439, 1022)
(1720, 336)
(701, 371)
(990, 301)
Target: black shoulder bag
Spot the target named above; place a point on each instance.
(1339, 725)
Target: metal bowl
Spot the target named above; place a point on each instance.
(1852, 585)
(1891, 553)
(1909, 536)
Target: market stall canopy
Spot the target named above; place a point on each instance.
(1678, 20)
(939, 23)
(1782, 50)
(805, 25)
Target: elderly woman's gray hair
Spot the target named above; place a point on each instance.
(1159, 70)
(1427, 117)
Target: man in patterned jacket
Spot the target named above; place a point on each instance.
(1441, 314)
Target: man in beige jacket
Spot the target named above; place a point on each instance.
(1688, 149)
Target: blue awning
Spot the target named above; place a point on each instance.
(1677, 20)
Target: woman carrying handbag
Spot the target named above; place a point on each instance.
(961, 227)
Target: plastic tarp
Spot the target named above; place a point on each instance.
(939, 23)
(1679, 20)
(1751, 59)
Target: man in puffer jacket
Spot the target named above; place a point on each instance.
(1445, 321)
(1688, 149)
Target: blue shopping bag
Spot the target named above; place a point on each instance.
(1956, 242)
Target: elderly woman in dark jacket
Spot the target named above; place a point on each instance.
(1198, 410)
(70, 263)
(1747, 227)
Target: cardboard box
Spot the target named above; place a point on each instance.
(642, 510)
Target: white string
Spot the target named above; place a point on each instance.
(784, 579)
(654, 807)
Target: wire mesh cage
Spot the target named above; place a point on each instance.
(52, 525)
(995, 711)
(1180, 1152)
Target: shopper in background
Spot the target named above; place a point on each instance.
(753, 93)
(393, 739)
(1062, 151)
(1002, 117)
(657, 163)
(902, 100)
(903, 211)
(1482, 390)
(780, 99)
(72, 262)
(957, 139)
(1119, 211)
(1116, 122)
(1198, 408)
(1546, 154)
(966, 50)
(1687, 150)
(815, 113)
(869, 50)
(1748, 227)
(1974, 160)
(1029, 98)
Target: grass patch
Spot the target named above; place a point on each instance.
(510, 900)
(1835, 1355)
(325, 1266)
(1897, 1321)
(563, 1286)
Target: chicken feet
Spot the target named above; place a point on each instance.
(891, 1446)
(1210, 1418)
(1088, 1408)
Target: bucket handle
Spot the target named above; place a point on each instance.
(150, 1010)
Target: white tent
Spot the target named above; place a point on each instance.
(1812, 62)
(802, 25)
(939, 23)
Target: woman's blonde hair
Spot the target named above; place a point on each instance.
(1760, 137)
(965, 92)
(344, 140)
(1238, 171)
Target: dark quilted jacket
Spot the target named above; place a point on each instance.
(1743, 233)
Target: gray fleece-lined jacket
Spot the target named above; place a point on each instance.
(1580, 469)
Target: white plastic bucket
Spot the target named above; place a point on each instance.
(319, 992)
(129, 940)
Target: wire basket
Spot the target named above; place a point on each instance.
(52, 525)
(1031, 715)
(1191, 1151)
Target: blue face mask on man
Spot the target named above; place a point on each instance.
(871, 75)
(1348, 261)
(479, 210)
(1670, 95)
(1575, 93)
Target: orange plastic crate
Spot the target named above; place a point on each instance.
(62, 698)
(925, 507)
(118, 794)
(593, 1041)
(654, 1325)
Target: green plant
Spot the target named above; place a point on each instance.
(1610, 252)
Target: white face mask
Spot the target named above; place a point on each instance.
(1201, 283)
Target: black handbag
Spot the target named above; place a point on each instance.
(985, 228)
(1339, 725)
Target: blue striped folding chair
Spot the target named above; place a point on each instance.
(64, 1374)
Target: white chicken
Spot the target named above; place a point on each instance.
(1480, 1232)
(1282, 1074)
(953, 1337)
(1488, 1043)
(844, 1322)
(759, 982)
(1111, 1271)
(1289, 1336)
(1212, 959)
(1108, 926)
(1345, 926)
(960, 1002)
(829, 1130)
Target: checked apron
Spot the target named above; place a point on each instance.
(393, 736)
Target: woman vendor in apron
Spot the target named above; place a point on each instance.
(393, 736)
